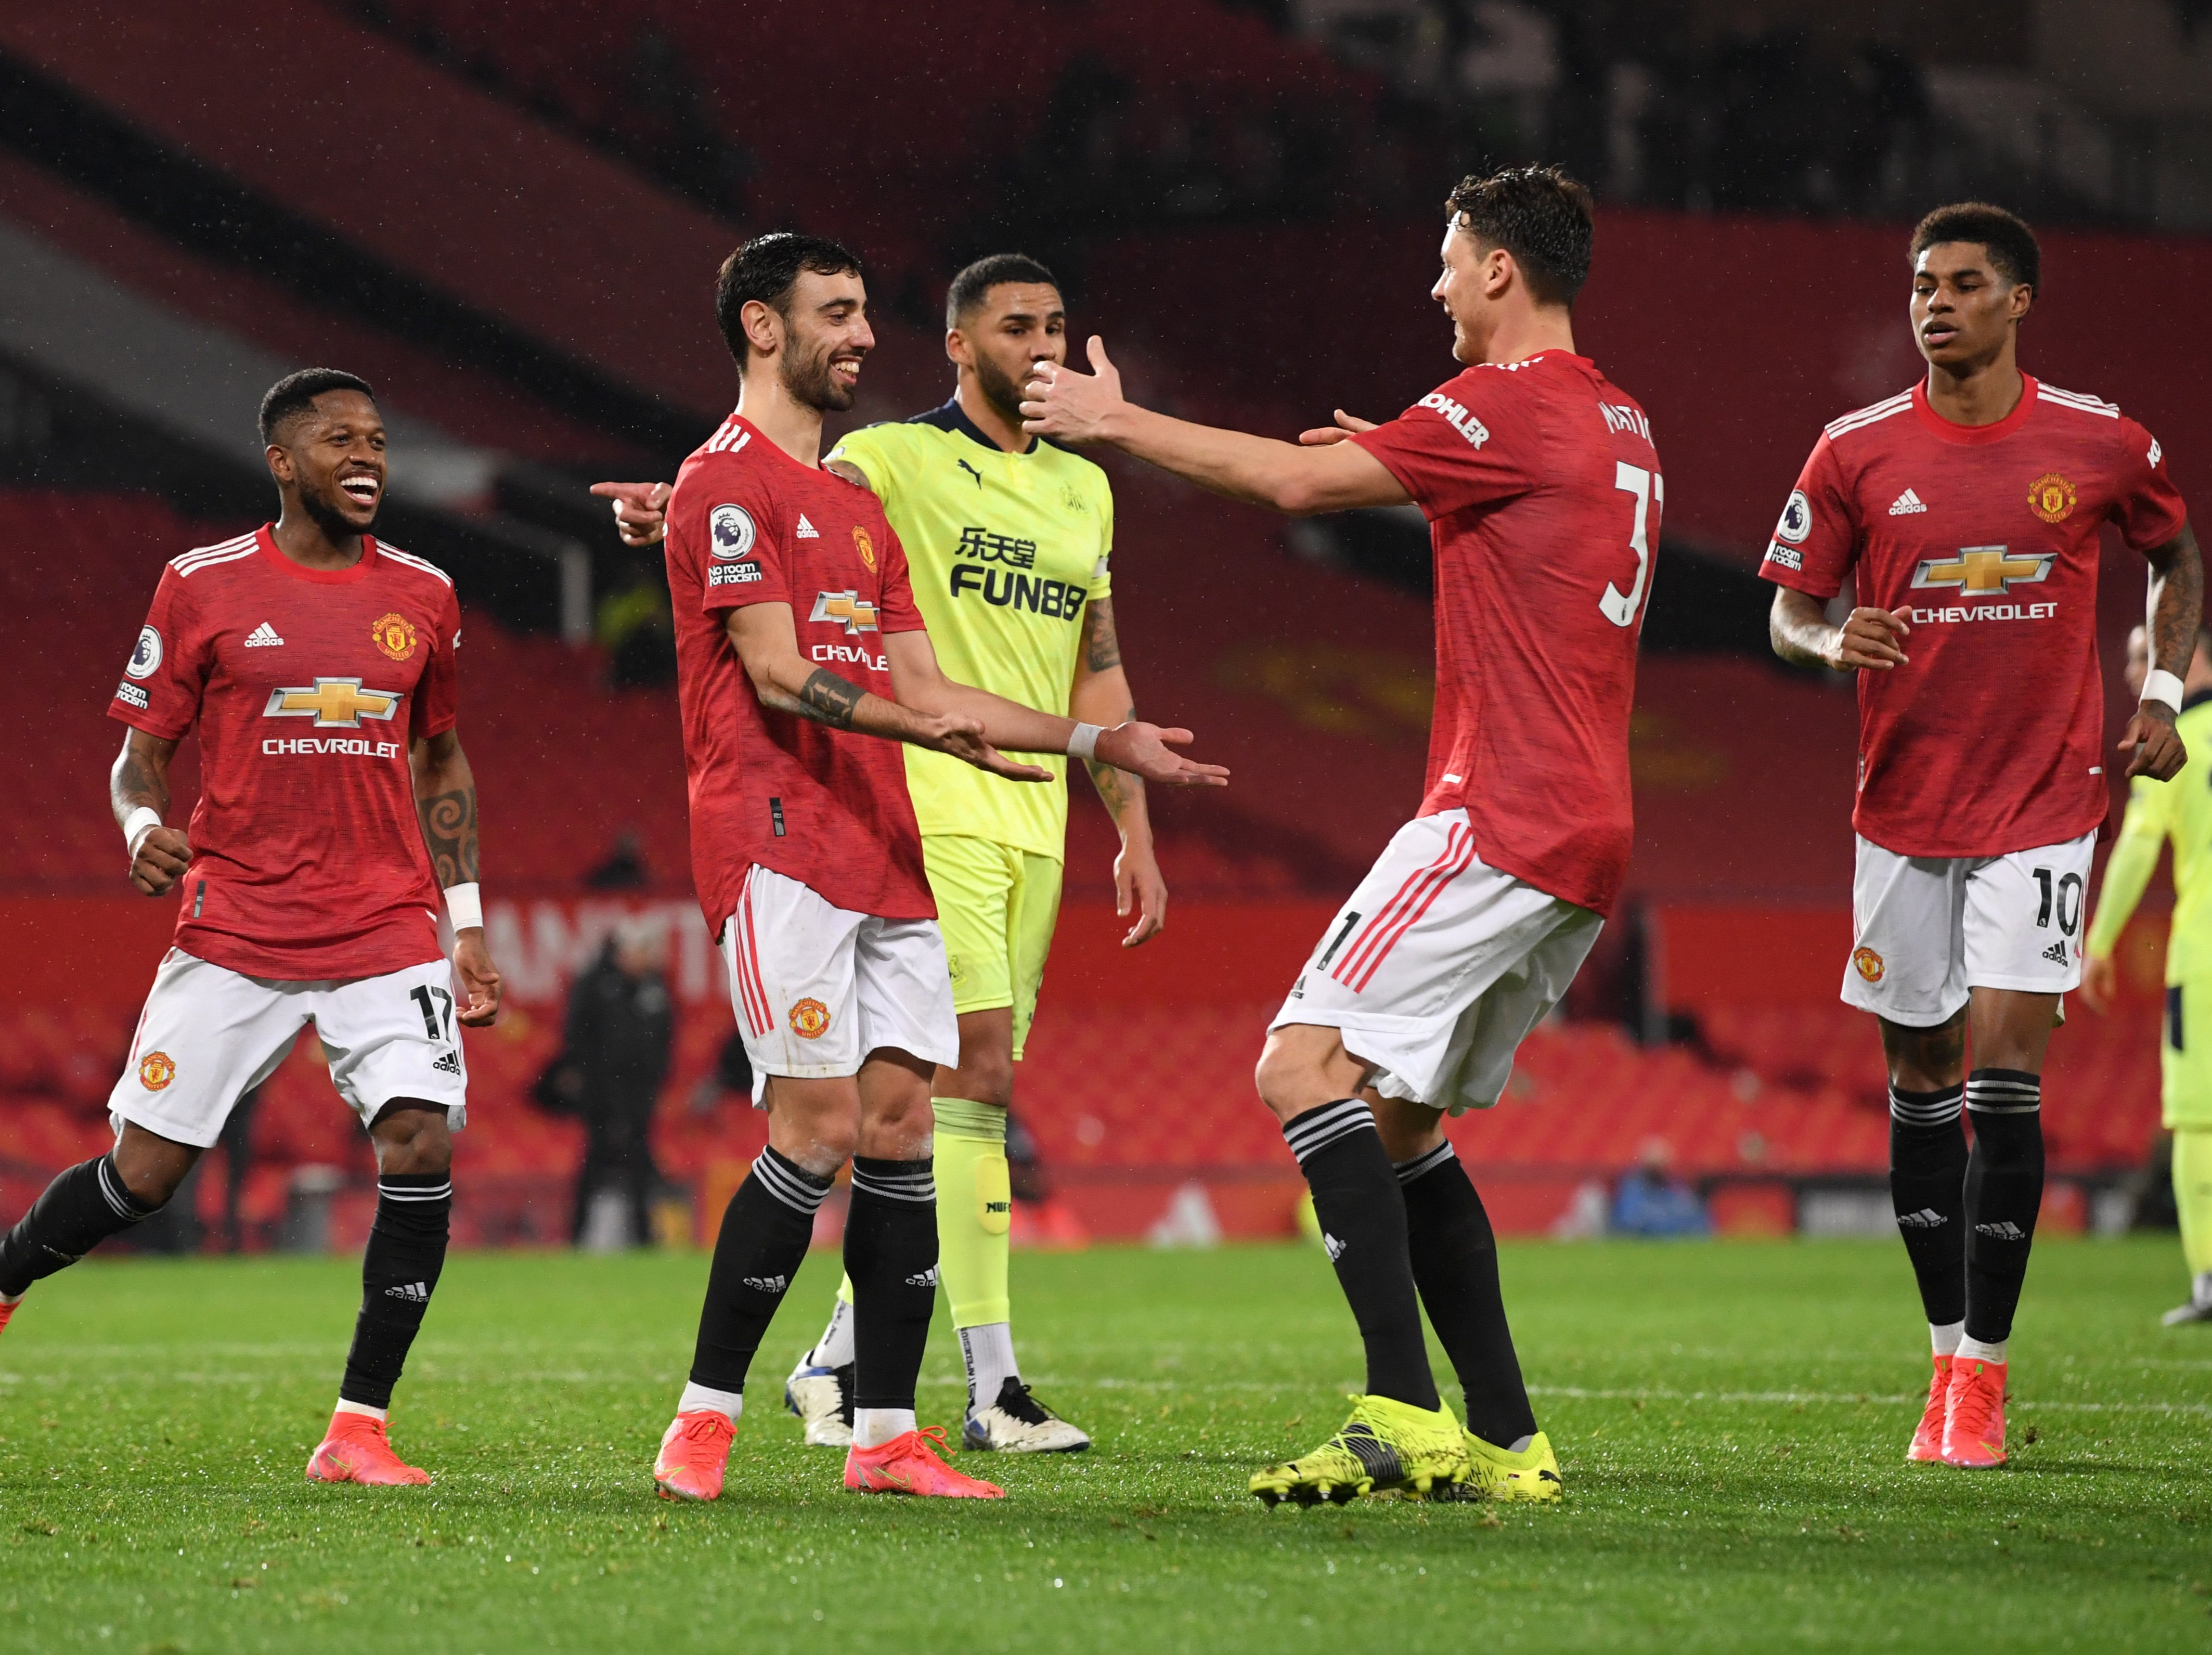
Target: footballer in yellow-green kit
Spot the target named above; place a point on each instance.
(1008, 540)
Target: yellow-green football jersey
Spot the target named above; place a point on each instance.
(1007, 551)
(2179, 811)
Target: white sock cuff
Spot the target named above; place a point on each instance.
(697, 1398)
(1975, 1350)
(1945, 1336)
(874, 1426)
(345, 1406)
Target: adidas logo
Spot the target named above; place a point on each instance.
(1334, 1247)
(806, 530)
(448, 1062)
(414, 1292)
(2002, 1230)
(1926, 1218)
(926, 1279)
(2055, 953)
(263, 636)
(767, 1283)
(1906, 503)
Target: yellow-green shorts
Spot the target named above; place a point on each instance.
(2186, 1056)
(996, 906)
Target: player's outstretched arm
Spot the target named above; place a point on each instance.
(767, 640)
(1870, 641)
(1101, 695)
(641, 510)
(140, 782)
(1299, 478)
(2176, 610)
(1144, 750)
(446, 805)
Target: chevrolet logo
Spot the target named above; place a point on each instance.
(1984, 571)
(333, 704)
(850, 607)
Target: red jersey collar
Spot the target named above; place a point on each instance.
(265, 537)
(1950, 432)
(1529, 360)
(769, 444)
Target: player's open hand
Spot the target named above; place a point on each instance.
(163, 854)
(1142, 749)
(641, 510)
(951, 733)
(479, 978)
(1872, 640)
(1071, 407)
(2101, 983)
(1138, 889)
(1346, 425)
(2155, 744)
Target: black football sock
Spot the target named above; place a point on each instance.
(1455, 1256)
(1928, 1190)
(78, 1211)
(1362, 1223)
(399, 1273)
(765, 1231)
(890, 1254)
(2004, 1192)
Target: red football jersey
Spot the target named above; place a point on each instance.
(1990, 738)
(1542, 492)
(748, 524)
(307, 686)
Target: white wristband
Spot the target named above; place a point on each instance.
(465, 906)
(137, 825)
(2163, 686)
(1084, 743)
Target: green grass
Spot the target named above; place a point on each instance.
(1731, 1419)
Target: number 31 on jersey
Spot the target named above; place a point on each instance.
(1647, 489)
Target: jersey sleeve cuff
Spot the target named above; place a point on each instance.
(1797, 579)
(163, 729)
(1373, 442)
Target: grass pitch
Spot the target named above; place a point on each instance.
(1731, 1420)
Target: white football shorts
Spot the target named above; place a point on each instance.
(1928, 928)
(208, 1036)
(817, 987)
(1438, 966)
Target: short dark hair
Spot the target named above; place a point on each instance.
(767, 268)
(2011, 244)
(1541, 215)
(974, 284)
(296, 393)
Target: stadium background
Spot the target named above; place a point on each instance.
(510, 227)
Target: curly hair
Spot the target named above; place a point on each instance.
(1541, 215)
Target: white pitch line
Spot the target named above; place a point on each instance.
(1833, 1398)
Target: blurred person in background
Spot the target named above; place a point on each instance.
(2180, 810)
(620, 1034)
(1650, 1201)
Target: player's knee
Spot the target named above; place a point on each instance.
(151, 1167)
(1920, 1059)
(1285, 1081)
(986, 1077)
(413, 1138)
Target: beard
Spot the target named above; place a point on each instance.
(809, 381)
(1001, 392)
(325, 515)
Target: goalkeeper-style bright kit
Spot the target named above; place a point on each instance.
(2179, 811)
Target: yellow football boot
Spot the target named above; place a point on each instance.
(1495, 1473)
(1385, 1445)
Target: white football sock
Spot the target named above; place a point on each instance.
(1523, 1444)
(2202, 1295)
(1973, 1350)
(874, 1426)
(697, 1398)
(988, 1351)
(1945, 1336)
(834, 1347)
(345, 1406)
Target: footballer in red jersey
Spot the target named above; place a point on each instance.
(1543, 495)
(1966, 512)
(336, 811)
(801, 663)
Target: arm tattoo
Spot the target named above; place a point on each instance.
(828, 699)
(449, 829)
(1102, 649)
(2177, 601)
(136, 783)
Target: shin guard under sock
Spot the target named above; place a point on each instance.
(77, 1211)
(1455, 1257)
(1363, 1224)
(1928, 1191)
(2192, 1198)
(975, 1210)
(399, 1273)
(890, 1254)
(2004, 1192)
(765, 1231)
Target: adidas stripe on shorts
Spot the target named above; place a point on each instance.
(208, 1036)
(1928, 928)
(1438, 966)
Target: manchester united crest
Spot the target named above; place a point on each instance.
(1868, 963)
(810, 1020)
(2050, 497)
(864, 546)
(394, 635)
(155, 1070)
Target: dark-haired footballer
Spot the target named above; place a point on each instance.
(1967, 510)
(1009, 538)
(802, 661)
(336, 808)
(1542, 491)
